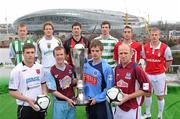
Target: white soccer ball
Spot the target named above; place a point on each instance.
(42, 103)
(79, 46)
(114, 95)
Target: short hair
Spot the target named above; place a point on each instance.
(106, 22)
(76, 24)
(58, 48)
(155, 29)
(97, 43)
(28, 46)
(48, 23)
(21, 25)
(125, 44)
(128, 27)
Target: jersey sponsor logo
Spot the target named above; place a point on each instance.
(128, 75)
(90, 79)
(48, 52)
(38, 71)
(31, 79)
(24, 70)
(153, 60)
(122, 83)
(65, 82)
(33, 82)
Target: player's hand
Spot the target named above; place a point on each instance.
(92, 101)
(31, 103)
(75, 81)
(125, 98)
(71, 102)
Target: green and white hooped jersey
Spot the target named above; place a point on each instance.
(108, 51)
(16, 49)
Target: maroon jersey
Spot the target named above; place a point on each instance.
(64, 80)
(70, 43)
(129, 80)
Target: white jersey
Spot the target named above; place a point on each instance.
(27, 81)
(46, 48)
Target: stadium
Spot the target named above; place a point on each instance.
(90, 20)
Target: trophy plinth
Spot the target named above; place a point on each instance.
(78, 58)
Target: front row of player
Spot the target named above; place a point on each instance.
(131, 83)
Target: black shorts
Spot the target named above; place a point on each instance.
(98, 111)
(27, 112)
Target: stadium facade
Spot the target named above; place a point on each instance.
(90, 19)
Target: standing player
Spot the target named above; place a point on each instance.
(17, 44)
(108, 43)
(26, 83)
(98, 78)
(158, 58)
(127, 38)
(133, 82)
(46, 46)
(76, 38)
(61, 83)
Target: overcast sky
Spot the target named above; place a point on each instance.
(157, 9)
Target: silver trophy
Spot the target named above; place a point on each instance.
(78, 56)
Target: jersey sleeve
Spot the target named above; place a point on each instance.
(51, 84)
(168, 54)
(109, 79)
(143, 80)
(11, 51)
(14, 80)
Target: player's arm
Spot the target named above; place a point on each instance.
(109, 80)
(44, 89)
(168, 58)
(12, 54)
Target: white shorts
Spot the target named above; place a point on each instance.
(158, 83)
(131, 114)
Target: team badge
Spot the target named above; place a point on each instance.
(38, 71)
(48, 45)
(128, 75)
(95, 73)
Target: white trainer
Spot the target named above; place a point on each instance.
(146, 116)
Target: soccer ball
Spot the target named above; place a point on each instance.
(114, 95)
(42, 103)
(79, 46)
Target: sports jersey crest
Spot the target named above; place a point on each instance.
(95, 73)
(128, 75)
(48, 45)
(38, 71)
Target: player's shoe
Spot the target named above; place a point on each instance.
(146, 116)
